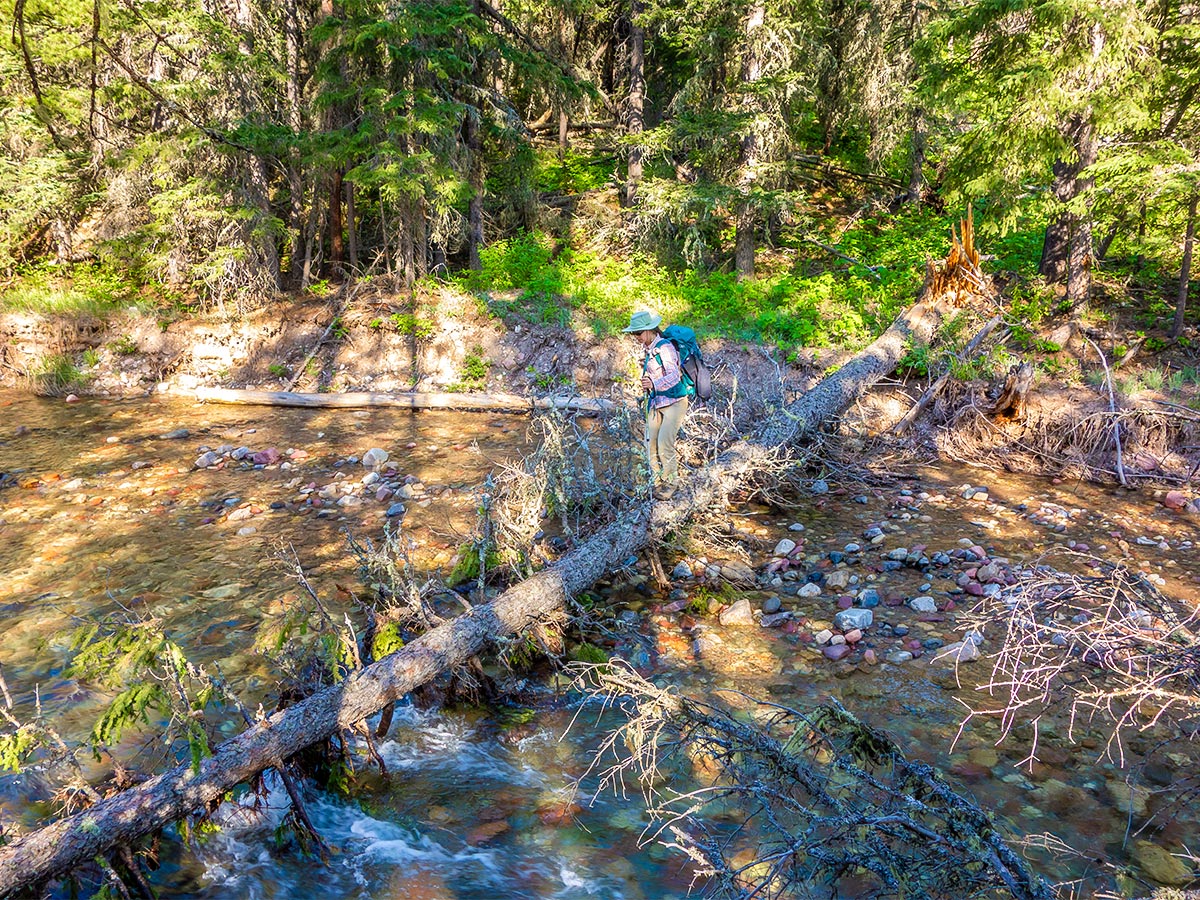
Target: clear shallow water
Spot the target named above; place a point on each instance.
(86, 527)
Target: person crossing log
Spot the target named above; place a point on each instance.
(117, 821)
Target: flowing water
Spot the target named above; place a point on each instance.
(101, 508)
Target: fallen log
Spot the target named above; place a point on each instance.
(54, 850)
(407, 400)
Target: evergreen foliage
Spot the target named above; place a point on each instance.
(223, 153)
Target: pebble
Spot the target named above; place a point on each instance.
(809, 590)
(247, 531)
(740, 613)
(853, 619)
(852, 547)
(373, 458)
(796, 526)
(922, 605)
(396, 509)
(682, 570)
(206, 460)
(835, 652)
(820, 487)
(823, 636)
(896, 657)
(771, 605)
(784, 547)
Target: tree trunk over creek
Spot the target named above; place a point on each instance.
(149, 807)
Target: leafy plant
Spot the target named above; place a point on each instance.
(420, 328)
(124, 346)
(277, 370)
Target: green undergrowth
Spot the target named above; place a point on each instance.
(808, 296)
(85, 289)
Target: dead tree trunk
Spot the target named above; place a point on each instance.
(149, 807)
(1011, 404)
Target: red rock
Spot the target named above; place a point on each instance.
(892, 601)
(970, 772)
(1175, 500)
(854, 636)
(790, 626)
(869, 656)
(481, 834)
(975, 589)
(912, 644)
(845, 602)
(806, 637)
(559, 814)
(836, 651)
(950, 604)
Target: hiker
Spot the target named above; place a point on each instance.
(667, 393)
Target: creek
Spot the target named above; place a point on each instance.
(102, 507)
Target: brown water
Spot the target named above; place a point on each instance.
(104, 510)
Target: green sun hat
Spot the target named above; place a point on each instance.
(642, 321)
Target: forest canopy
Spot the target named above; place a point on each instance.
(233, 150)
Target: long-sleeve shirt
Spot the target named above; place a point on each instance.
(665, 374)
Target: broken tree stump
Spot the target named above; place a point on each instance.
(1015, 394)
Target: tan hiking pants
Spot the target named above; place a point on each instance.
(662, 427)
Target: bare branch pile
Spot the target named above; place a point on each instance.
(797, 802)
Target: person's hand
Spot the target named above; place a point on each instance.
(647, 384)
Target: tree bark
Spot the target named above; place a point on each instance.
(637, 99)
(1066, 248)
(337, 231)
(1185, 268)
(745, 217)
(123, 818)
(471, 137)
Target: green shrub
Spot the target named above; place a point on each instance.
(278, 370)
(56, 375)
(410, 324)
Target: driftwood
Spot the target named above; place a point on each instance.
(120, 820)
(935, 388)
(1014, 396)
(406, 400)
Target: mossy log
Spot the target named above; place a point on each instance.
(119, 820)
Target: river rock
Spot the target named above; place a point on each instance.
(958, 652)
(775, 620)
(836, 651)
(737, 572)
(897, 657)
(796, 526)
(1127, 798)
(823, 636)
(900, 554)
(771, 606)
(206, 460)
(850, 619)
(1174, 500)
(784, 547)
(922, 605)
(868, 598)
(820, 487)
(374, 458)
(837, 579)
(682, 570)
(396, 509)
(809, 590)
(740, 613)
(1161, 865)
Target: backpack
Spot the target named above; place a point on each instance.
(696, 374)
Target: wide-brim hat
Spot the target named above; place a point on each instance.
(642, 321)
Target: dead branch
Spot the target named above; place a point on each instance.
(1107, 648)
(817, 796)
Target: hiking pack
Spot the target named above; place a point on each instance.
(697, 377)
